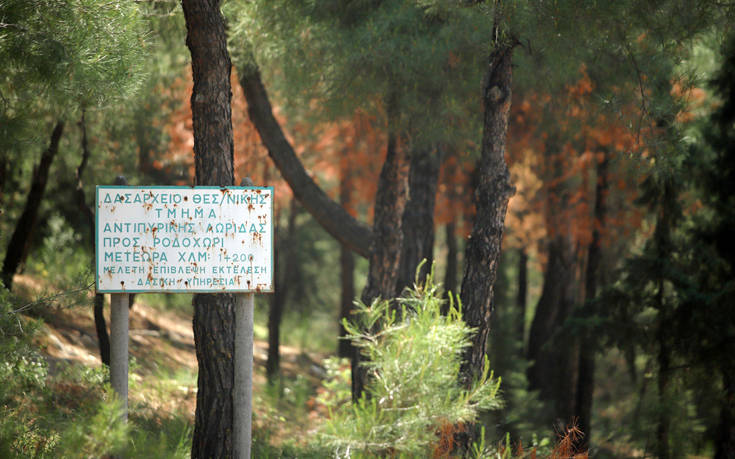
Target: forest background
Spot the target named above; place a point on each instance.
(595, 140)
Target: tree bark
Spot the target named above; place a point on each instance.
(664, 419)
(21, 238)
(664, 247)
(330, 215)
(522, 294)
(275, 311)
(385, 251)
(103, 338)
(214, 316)
(418, 218)
(3, 176)
(286, 260)
(347, 272)
(725, 441)
(491, 200)
(347, 276)
(450, 277)
(100, 325)
(586, 379)
(550, 371)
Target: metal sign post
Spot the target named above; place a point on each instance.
(119, 348)
(119, 325)
(243, 393)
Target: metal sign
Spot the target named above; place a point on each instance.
(184, 239)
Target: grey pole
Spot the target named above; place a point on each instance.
(119, 348)
(119, 324)
(243, 393)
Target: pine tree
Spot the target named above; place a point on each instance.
(60, 58)
(214, 318)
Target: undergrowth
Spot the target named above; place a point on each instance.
(413, 356)
(71, 412)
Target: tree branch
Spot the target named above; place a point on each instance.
(330, 215)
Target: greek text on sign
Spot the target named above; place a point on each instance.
(184, 239)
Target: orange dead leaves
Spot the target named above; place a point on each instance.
(556, 146)
(446, 439)
(329, 150)
(566, 445)
(690, 98)
(454, 191)
(583, 86)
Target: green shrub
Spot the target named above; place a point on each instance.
(72, 413)
(414, 398)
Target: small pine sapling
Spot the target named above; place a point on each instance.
(413, 355)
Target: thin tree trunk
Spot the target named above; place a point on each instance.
(662, 239)
(287, 262)
(275, 310)
(664, 419)
(491, 200)
(347, 275)
(586, 380)
(21, 238)
(103, 338)
(522, 294)
(347, 272)
(418, 218)
(554, 355)
(100, 325)
(385, 252)
(552, 371)
(214, 316)
(725, 440)
(330, 215)
(450, 277)
(3, 175)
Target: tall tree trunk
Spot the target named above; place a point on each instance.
(3, 175)
(100, 325)
(725, 440)
(347, 271)
(21, 238)
(664, 247)
(275, 310)
(418, 217)
(286, 261)
(214, 316)
(664, 419)
(522, 294)
(551, 369)
(554, 355)
(385, 252)
(347, 276)
(450, 277)
(586, 379)
(491, 200)
(330, 215)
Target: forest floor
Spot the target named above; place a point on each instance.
(163, 372)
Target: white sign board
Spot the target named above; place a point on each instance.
(184, 239)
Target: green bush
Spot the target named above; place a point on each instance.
(72, 413)
(413, 355)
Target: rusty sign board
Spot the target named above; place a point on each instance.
(184, 239)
